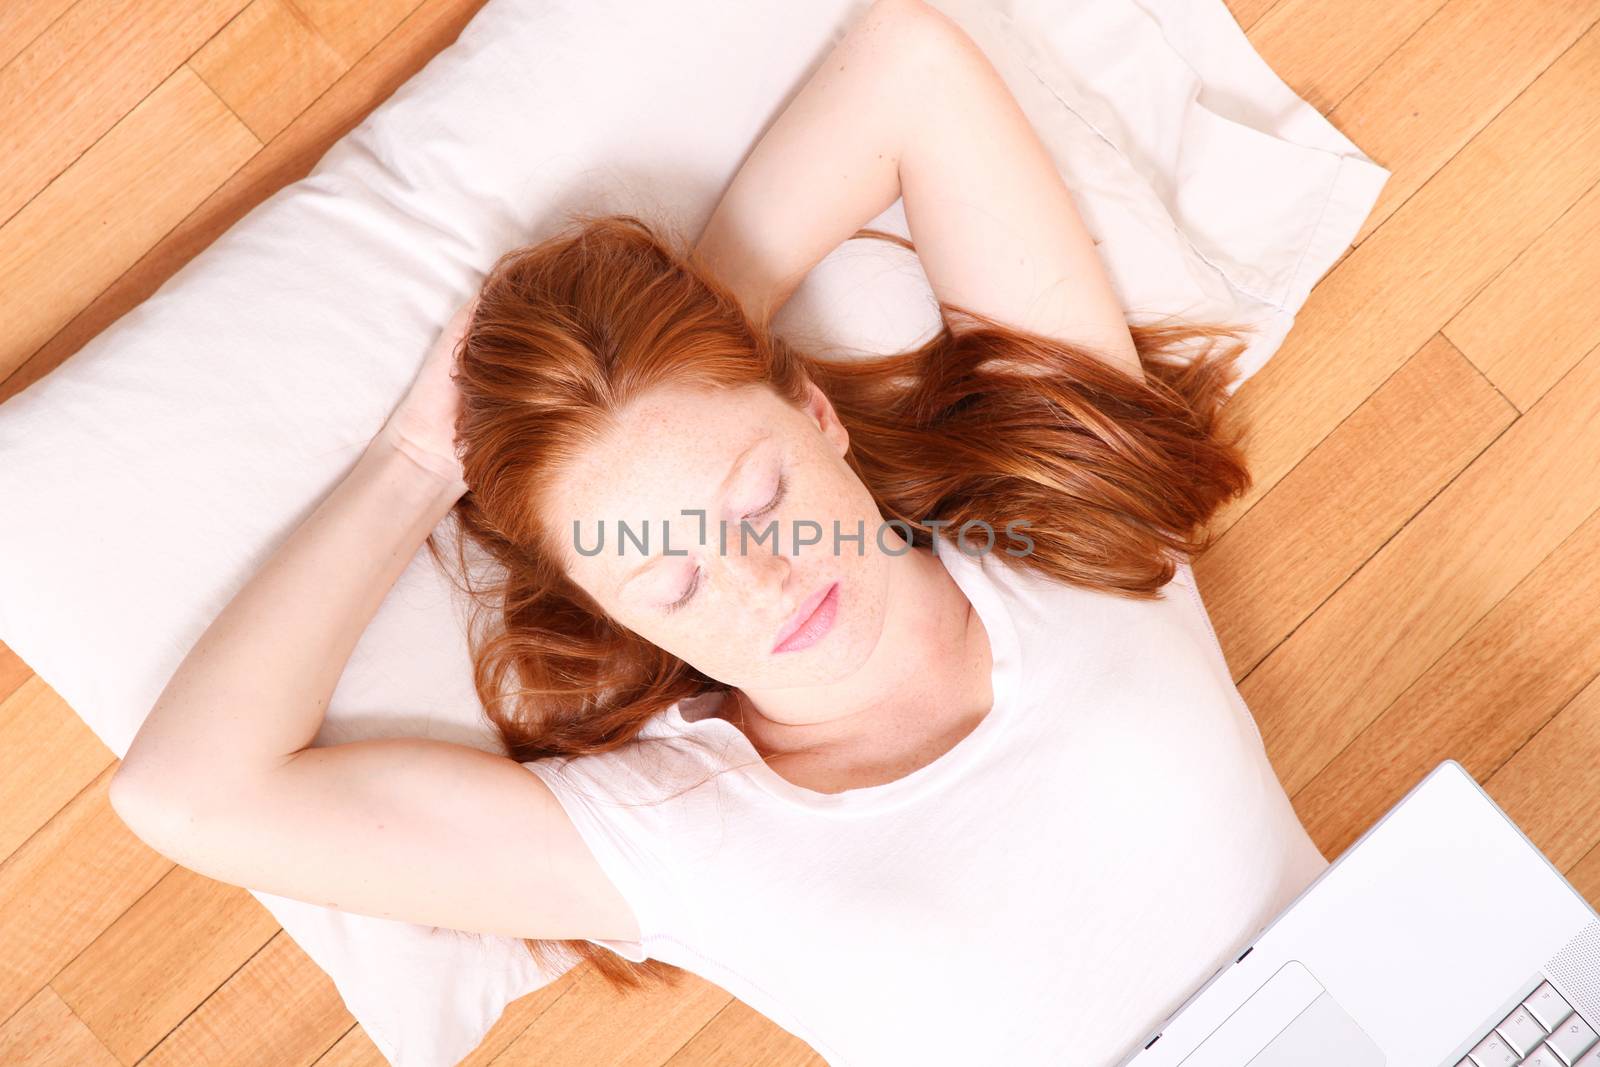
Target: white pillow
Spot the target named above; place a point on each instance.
(162, 463)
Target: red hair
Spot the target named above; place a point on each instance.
(985, 422)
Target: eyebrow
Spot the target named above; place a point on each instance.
(738, 463)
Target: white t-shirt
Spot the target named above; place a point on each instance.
(1045, 892)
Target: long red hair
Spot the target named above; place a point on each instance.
(983, 422)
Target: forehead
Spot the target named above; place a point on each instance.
(669, 450)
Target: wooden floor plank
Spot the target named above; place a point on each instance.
(21, 25)
(60, 94)
(1449, 81)
(162, 958)
(1322, 49)
(1317, 526)
(1248, 12)
(280, 1008)
(739, 1035)
(13, 672)
(268, 64)
(1482, 700)
(352, 29)
(48, 755)
(63, 887)
(45, 1033)
(1541, 786)
(110, 206)
(1432, 582)
(595, 1024)
(1537, 318)
(355, 1049)
(1585, 877)
(1398, 288)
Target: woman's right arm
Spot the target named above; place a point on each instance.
(223, 778)
(405, 828)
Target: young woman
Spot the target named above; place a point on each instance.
(895, 711)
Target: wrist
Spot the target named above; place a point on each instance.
(393, 449)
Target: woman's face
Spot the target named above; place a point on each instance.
(732, 455)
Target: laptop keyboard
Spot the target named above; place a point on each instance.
(1542, 1031)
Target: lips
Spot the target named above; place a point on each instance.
(803, 617)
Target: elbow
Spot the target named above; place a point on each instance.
(185, 814)
(154, 811)
(131, 799)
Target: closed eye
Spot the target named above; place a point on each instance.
(694, 584)
(777, 498)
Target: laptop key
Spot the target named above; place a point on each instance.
(1548, 1006)
(1521, 1031)
(1590, 1058)
(1544, 1057)
(1493, 1051)
(1572, 1039)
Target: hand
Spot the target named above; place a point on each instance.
(423, 425)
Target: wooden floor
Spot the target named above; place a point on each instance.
(1413, 578)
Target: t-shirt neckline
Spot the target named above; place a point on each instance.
(972, 573)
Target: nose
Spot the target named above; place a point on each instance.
(759, 573)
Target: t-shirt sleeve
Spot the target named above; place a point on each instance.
(631, 838)
(1190, 594)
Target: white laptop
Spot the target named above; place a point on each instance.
(1442, 937)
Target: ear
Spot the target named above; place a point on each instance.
(820, 408)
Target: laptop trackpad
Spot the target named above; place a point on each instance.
(1321, 1035)
(1291, 1021)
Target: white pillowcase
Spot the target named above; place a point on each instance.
(159, 467)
